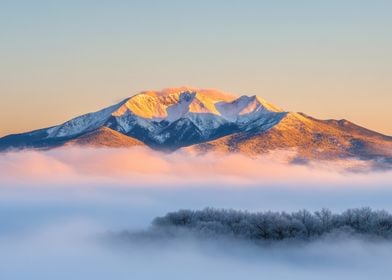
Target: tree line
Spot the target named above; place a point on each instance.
(270, 225)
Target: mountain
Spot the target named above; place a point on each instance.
(209, 120)
(310, 138)
(105, 137)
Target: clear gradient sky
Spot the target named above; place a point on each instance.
(329, 59)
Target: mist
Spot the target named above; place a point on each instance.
(56, 205)
(143, 167)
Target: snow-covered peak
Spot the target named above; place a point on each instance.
(269, 106)
(178, 110)
(172, 104)
(176, 91)
(84, 123)
(169, 105)
(245, 106)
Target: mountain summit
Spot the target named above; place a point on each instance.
(209, 120)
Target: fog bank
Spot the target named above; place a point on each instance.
(56, 205)
(137, 167)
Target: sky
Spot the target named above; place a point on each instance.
(329, 59)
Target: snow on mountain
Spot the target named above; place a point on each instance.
(154, 111)
(245, 108)
(178, 110)
(209, 120)
(310, 138)
(83, 123)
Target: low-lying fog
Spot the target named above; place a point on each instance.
(56, 205)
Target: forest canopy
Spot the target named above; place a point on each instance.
(302, 224)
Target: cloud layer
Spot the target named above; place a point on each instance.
(142, 166)
(51, 232)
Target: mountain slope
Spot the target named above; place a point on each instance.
(105, 137)
(311, 138)
(167, 119)
(209, 120)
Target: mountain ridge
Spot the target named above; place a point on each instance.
(208, 120)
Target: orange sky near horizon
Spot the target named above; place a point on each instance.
(31, 113)
(328, 59)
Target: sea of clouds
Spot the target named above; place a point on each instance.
(143, 166)
(56, 205)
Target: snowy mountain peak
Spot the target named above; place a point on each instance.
(213, 120)
(176, 91)
(172, 104)
(151, 111)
